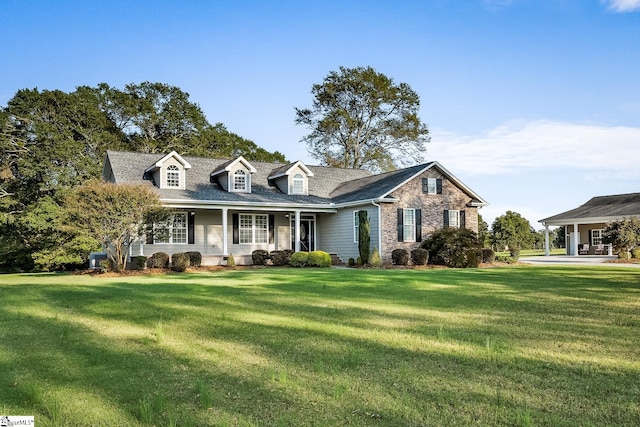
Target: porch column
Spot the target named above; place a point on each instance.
(141, 248)
(576, 241)
(546, 240)
(297, 232)
(225, 240)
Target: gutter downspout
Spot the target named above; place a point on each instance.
(379, 227)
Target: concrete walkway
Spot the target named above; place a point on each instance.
(575, 260)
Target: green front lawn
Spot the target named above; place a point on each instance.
(514, 346)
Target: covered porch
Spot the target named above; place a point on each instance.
(582, 237)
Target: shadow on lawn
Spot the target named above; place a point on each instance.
(332, 335)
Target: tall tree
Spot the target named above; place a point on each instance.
(116, 214)
(624, 235)
(361, 118)
(512, 230)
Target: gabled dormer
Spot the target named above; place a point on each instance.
(235, 175)
(169, 172)
(292, 179)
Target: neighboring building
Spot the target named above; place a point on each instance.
(584, 225)
(236, 206)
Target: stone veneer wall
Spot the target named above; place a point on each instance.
(410, 196)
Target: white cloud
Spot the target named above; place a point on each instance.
(623, 5)
(540, 145)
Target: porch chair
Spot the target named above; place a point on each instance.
(584, 249)
(600, 249)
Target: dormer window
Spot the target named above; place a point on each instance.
(240, 180)
(173, 176)
(298, 184)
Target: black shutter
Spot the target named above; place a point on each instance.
(439, 186)
(400, 225)
(446, 218)
(235, 220)
(590, 237)
(150, 236)
(418, 225)
(425, 185)
(271, 226)
(463, 223)
(191, 222)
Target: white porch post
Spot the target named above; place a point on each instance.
(546, 240)
(297, 232)
(141, 248)
(225, 239)
(576, 242)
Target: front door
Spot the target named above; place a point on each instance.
(307, 234)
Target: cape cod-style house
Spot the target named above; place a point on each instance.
(235, 206)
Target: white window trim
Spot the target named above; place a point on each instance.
(247, 181)
(253, 228)
(170, 231)
(599, 238)
(454, 214)
(174, 171)
(409, 226)
(297, 177)
(356, 226)
(432, 185)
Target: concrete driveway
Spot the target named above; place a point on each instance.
(574, 260)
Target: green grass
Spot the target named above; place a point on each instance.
(513, 346)
(535, 252)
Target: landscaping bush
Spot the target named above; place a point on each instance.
(400, 257)
(447, 246)
(623, 254)
(299, 259)
(231, 262)
(359, 261)
(179, 261)
(141, 262)
(159, 260)
(195, 258)
(488, 255)
(279, 258)
(504, 258)
(515, 254)
(635, 253)
(106, 265)
(419, 256)
(260, 257)
(473, 257)
(319, 259)
(352, 262)
(374, 259)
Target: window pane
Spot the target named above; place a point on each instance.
(409, 225)
(454, 218)
(246, 229)
(298, 184)
(356, 226)
(240, 180)
(179, 229)
(431, 186)
(173, 176)
(261, 229)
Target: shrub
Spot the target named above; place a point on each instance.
(179, 261)
(260, 256)
(473, 257)
(352, 262)
(419, 256)
(515, 254)
(504, 258)
(488, 255)
(364, 237)
(400, 257)
(279, 258)
(623, 254)
(299, 259)
(635, 253)
(159, 260)
(374, 259)
(195, 258)
(359, 261)
(447, 246)
(231, 262)
(141, 262)
(106, 265)
(319, 259)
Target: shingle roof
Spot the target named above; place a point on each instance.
(616, 206)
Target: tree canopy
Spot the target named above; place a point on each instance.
(512, 230)
(52, 141)
(361, 118)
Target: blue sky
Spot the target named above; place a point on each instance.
(535, 104)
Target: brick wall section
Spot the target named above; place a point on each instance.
(410, 196)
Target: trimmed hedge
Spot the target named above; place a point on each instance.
(141, 262)
(374, 259)
(179, 261)
(473, 257)
(419, 256)
(159, 260)
(448, 246)
(488, 255)
(231, 261)
(400, 257)
(319, 259)
(279, 258)
(260, 257)
(299, 259)
(195, 258)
